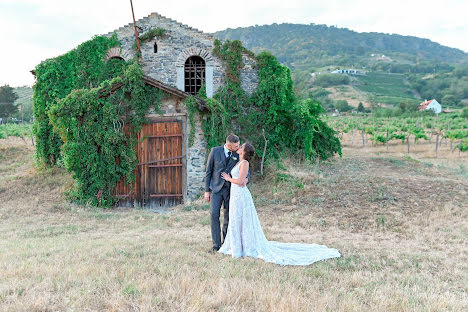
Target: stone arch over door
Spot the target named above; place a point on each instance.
(209, 63)
(115, 52)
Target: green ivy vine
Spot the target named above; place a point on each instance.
(94, 124)
(192, 108)
(149, 35)
(82, 117)
(289, 124)
(99, 130)
(83, 67)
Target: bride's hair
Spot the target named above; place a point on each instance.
(249, 151)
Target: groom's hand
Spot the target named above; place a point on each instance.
(244, 183)
(207, 196)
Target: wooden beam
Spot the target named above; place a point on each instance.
(165, 166)
(166, 195)
(137, 39)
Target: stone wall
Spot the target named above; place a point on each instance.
(167, 65)
(249, 75)
(174, 47)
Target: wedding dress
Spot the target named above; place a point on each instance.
(245, 235)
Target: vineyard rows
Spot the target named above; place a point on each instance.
(451, 127)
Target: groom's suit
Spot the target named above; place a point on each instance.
(220, 189)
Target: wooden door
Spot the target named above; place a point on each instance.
(160, 168)
(159, 174)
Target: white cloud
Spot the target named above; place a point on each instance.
(38, 29)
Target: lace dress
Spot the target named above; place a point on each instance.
(245, 235)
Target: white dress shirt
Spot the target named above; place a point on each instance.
(226, 151)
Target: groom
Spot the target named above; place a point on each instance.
(217, 190)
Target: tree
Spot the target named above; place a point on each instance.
(360, 107)
(450, 100)
(464, 112)
(407, 107)
(343, 106)
(7, 100)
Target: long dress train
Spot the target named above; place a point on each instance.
(245, 236)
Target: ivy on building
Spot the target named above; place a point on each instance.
(290, 125)
(84, 121)
(150, 35)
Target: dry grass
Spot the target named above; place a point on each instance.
(400, 223)
(352, 95)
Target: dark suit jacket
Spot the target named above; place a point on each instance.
(215, 165)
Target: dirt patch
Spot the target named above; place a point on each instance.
(350, 94)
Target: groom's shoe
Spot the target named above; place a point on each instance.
(214, 249)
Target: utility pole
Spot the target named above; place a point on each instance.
(135, 28)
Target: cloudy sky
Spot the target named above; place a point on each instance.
(34, 30)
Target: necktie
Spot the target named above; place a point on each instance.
(228, 158)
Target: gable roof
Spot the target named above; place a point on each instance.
(160, 85)
(167, 20)
(424, 104)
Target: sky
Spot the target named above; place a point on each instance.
(35, 30)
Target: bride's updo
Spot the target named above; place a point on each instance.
(249, 151)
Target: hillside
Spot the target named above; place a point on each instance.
(397, 66)
(400, 68)
(319, 45)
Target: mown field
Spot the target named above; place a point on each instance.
(399, 221)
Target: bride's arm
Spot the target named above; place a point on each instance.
(243, 170)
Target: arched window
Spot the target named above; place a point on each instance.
(117, 57)
(194, 73)
(155, 47)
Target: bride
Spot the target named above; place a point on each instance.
(245, 235)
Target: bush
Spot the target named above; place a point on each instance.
(464, 112)
(343, 106)
(450, 100)
(329, 80)
(319, 93)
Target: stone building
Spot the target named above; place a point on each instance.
(171, 170)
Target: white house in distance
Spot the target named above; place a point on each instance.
(431, 104)
(349, 71)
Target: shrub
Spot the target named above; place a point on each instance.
(329, 80)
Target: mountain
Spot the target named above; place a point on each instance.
(396, 68)
(297, 45)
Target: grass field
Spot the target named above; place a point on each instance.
(399, 221)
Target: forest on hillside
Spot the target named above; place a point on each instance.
(420, 67)
(322, 45)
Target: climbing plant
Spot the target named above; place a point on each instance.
(214, 124)
(89, 111)
(149, 35)
(289, 124)
(83, 67)
(154, 32)
(99, 130)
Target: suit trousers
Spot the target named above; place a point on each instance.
(218, 199)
